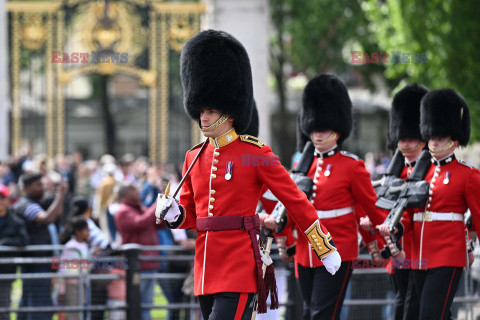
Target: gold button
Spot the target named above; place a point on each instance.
(312, 201)
(430, 192)
(320, 161)
(214, 176)
(315, 181)
(429, 198)
(210, 207)
(216, 154)
(210, 214)
(212, 191)
(314, 236)
(214, 168)
(314, 187)
(428, 205)
(215, 161)
(433, 180)
(212, 200)
(437, 169)
(314, 194)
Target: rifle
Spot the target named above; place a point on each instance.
(303, 183)
(391, 176)
(413, 193)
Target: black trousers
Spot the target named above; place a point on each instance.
(227, 306)
(323, 294)
(436, 288)
(411, 308)
(400, 281)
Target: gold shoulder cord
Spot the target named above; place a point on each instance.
(319, 241)
(252, 140)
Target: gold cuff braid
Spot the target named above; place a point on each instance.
(319, 241)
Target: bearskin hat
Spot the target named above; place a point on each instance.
(216, 74)
(445, 113)
(253, 127)
(405, 114)
(326, 106)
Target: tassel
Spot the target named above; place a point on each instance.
(271, 287)
(262, 294)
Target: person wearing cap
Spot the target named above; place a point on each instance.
(13, 232)
(341, 184)
(439, 245)
(404, 134)
(221, 192)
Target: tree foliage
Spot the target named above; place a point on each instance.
(447, 30)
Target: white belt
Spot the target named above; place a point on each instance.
(437, 216)
(325, 214)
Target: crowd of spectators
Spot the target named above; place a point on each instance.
(92, 207)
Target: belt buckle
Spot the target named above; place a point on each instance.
(427, 216)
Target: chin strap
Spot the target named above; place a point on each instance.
(404, 150)
(447, 146)
(330, 138)
(216, 124)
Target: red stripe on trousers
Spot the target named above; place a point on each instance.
(242, 301)
(341, 291)
(448, 292)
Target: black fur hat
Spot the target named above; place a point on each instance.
(216, 74)
(302, 139)
(326, 106)
(445, 113)
(253, 127)
(405, 114)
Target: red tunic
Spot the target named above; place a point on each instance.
(224, 260)
(442, 243)
(346, 184)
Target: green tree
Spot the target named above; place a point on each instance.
(448, 31)
(311, 37)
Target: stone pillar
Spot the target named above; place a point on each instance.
(4, 97)
(248, 21)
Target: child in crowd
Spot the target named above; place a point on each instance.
(74, 260)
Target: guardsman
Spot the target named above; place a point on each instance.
(341, 182)
(404, 133)
(439, 249)
(220, 194)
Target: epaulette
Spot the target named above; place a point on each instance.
(465, 164)
(251, 139)
(197, 146)
(351, 155)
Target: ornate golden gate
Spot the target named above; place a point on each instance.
(149, 27)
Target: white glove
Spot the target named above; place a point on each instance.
(167, 209)
(332, 262)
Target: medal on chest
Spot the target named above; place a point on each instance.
(228, 173)
(328, 170)
(446, 178)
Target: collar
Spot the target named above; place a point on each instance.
(444, 161)
(224, 139)
(410, 165)
(328, 153)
